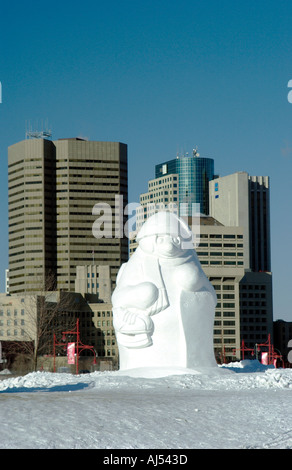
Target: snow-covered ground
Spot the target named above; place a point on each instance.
(243, 406)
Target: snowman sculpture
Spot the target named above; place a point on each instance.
(163, 303)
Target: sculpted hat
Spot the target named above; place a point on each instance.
(165, 223)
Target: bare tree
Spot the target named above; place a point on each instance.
(45, 312)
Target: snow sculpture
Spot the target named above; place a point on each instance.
(163, 304)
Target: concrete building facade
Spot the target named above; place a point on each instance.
(94, 284)
(32, 213)
(17, 318)
(243, 200)
(94, 280)
(256, 308)
(221, 254)
(53, 187)
(163, 192)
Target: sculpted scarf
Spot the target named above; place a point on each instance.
(151, 268)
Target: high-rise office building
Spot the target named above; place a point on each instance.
(162, 193)
(32, 213)
(220, 252)
(243, 200)
(53, 187)
(88, 173)
(194, 173)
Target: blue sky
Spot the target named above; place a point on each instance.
(163, 77)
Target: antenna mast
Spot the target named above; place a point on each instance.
(36, 134)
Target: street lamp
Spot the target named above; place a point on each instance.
(79, 345)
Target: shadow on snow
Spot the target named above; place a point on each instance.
(56, 388)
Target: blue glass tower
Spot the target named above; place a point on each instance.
(194, 173)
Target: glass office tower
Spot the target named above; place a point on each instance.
(194, 175)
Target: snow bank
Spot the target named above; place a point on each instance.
(252, 375)
(111, 410)
(247, 365)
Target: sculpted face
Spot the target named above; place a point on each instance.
(164, 246)
(168, 246)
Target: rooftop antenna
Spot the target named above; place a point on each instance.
(195, 152)
(44, 133)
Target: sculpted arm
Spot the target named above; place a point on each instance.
(140, 296)
(192, 278)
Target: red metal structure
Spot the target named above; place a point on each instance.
(272, 355)
(78, 344)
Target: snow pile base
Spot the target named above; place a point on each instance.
(247, 365)
(252, 375)
(110, 410)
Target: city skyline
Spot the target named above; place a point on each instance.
(231, 237)
(162, 78)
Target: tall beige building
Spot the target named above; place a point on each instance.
(162, 192)
(88, 173)
(244, 308)
(32, 213)
(241, 200)
(53, 188)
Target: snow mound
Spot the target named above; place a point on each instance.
(247, 365)
(42, 381)
(112, 410)
(252, 375)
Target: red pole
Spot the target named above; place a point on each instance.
(54, 352)
(270, 350)
(77, 346)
